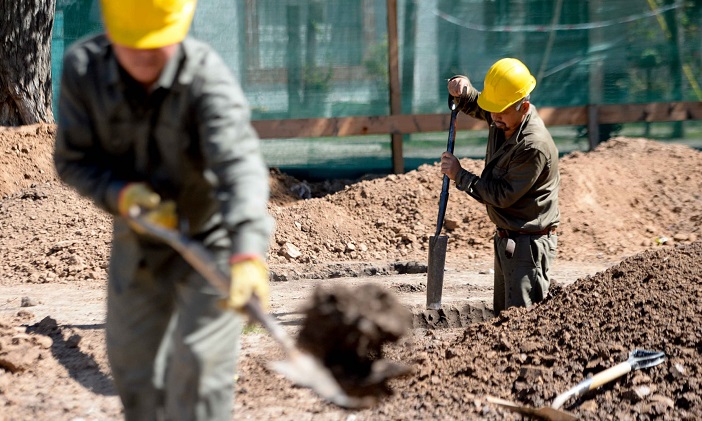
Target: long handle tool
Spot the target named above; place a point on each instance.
(437, 242)
(300, 367)
(637, 359)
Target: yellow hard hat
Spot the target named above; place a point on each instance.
(147, 24)
(507, 81)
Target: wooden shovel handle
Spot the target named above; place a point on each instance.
(592, 383)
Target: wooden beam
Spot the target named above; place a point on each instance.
(652, 112)
(361, 126)
(424, 123)
(564, 116)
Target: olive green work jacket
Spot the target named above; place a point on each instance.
(190, 139)
(520, 182)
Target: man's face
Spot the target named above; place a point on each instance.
(144, 65)
(510, 119)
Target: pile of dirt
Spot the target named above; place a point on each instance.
(26, 156)
(650, 301)
(50, 234)
(624, 197)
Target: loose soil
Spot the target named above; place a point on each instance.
(627, 277)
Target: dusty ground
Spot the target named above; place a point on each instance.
(628, 275)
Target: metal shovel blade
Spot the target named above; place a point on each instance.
(299, 367)
(547, 413)
(438, 243)
(435, 270)
(304, 370)
(640, 358)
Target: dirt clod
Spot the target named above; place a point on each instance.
(347, 328)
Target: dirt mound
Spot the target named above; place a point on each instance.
(650, 301)
(625, 196)
(26, 156)
(50, 234)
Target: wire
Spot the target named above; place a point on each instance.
(551, 38)
(546, 28)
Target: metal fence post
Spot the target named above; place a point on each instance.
(398, 164)
(593, 126)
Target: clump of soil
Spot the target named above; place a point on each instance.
(347, 329)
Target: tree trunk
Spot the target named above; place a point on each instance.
(25, 61)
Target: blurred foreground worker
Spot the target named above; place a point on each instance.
(519, 184)
(152, 119)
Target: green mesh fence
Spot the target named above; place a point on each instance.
(314, 58)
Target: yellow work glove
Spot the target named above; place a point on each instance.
(249, 276)
(151, 208)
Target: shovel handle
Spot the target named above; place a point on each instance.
(203, 262)
(637, 359)
(300, 367)
(592, 383)
(446, 182)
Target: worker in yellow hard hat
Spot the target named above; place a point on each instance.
(519, 183)
(153, 125)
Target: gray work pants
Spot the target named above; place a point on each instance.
(172, 349)
(522, 279)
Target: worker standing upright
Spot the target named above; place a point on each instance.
(519, 184)
(151, 119)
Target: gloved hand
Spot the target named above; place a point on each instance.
(153, 209)
(249, 276)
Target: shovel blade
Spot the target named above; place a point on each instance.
(435, 270)
(546, 413)
(306, 371)
(640, 358)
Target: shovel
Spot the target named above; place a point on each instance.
(637, 359)
(437, 242)
(299, 367)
